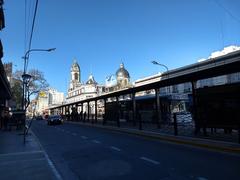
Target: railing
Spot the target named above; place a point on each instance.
(178, 124)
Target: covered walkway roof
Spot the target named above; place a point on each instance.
(222, 65)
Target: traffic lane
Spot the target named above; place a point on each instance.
(99, 162)
(178, 160)
(95, 161)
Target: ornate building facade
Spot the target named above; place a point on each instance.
(120, 80)
(79, 91)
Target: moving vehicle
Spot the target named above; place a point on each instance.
(54, 119)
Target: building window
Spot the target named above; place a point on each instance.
(76, 76)
(175, 88)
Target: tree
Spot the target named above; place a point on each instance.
(37, 83)
(16, 89)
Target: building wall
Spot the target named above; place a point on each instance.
(5, 92)
(42, 104)
(55, 97)
(47, 99)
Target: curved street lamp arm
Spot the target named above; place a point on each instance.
(157, 63)
(26, 56)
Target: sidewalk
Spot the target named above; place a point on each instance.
(215, 145)
(19, 161)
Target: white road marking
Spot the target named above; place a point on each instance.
(84, 137)
(149, 160)
(115, 148)
(20, 153)
(201, 178)
(50, 163)
(96, 141)
(22, 161)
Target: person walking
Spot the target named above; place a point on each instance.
(2, 111)
(84, 116)
(6, 119)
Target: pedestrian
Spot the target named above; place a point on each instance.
(76, 115)
(104, 118)
(84, 116)
(72, 115)
(1, 117)
(6, 119)
(81, 118)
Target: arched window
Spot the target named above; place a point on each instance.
(76, 76)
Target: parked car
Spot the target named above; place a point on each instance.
(54, 119)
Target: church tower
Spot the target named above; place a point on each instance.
(75, 76)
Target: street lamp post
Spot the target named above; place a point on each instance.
(157, 63)
(26, 79)
(168, 87)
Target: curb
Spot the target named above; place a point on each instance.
(196, 142)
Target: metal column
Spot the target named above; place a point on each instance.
(194, 111)
(96, 111)
(81, 112)
(82, 107)
(105, 111)
(134, 109)
(118, 111)
(158, 108)
(88, 110)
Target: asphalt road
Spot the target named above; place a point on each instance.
(89, 153)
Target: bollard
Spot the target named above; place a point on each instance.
(118, 123)
(175, 124)
(140, 121)
(118, 120)
(104, 118)
(92, 118)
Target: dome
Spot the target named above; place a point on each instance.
(91, 80)
(122, 72)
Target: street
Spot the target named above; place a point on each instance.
(89, 153)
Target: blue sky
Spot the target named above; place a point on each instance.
(101, 34)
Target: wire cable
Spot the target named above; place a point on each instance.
(31, 35)
(25, 25)
(227, 11)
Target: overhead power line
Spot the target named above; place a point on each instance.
(31, 34)
(227, 11)
(25, 25)
(29, 9)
